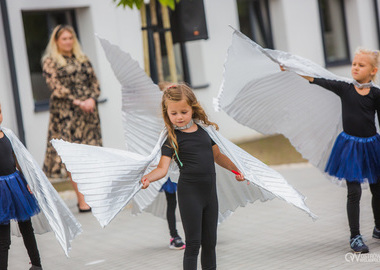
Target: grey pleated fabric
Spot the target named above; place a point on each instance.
(142, 120)
(109, 178)
(55, 215)
(257, 94)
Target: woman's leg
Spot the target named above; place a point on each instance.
(5, 242)
(82, 205)
(30, 242)
(171, 199)
(354, 192)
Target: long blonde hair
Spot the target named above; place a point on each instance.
(375, 58)
(52, 48)
(176, 93)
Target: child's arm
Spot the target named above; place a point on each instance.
(225, 162)
(310, 79)
(49, 71)
(158, 173)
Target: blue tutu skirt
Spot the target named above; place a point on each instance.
(16, 202)
(169, 186)
(355, 159)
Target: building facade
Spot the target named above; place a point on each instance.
(325, 31)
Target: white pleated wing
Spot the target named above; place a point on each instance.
(142, 119)
(141, 101)
(55, 215)
(266, 182)
(108, 178)
(257, 94)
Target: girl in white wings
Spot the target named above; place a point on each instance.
(195, 153)
(27, 197)
(16, 203)
(311, 117)
(355, 156)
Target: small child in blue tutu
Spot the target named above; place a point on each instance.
(355, 156)
(16, 203)
(170, 190)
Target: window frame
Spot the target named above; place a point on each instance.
(376, 7)
(43, 104)
(266, 33)
(341, 62)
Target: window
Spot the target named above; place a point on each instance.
(187, 50)
(376, 8)
(254, 19)
(159, 29)
(334, 32)
(37, 27)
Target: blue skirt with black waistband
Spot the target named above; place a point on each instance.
(355, 159)
(16, 202)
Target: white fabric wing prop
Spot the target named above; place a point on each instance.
(55, 215)
(110, 178)
(257, 94)
(142, 120)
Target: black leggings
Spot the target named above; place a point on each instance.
(354, 192)
(30, 243)
(171, 199)
(198, 205)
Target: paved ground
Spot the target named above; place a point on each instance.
(270, 235)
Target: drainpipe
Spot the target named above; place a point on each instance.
(12, 68)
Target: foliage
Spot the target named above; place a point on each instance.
(138, 3)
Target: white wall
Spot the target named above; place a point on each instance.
(219, 15)
(295, 26)
(6, 97)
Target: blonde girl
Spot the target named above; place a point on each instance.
(195, 153)
(355, 156)
(16, 203)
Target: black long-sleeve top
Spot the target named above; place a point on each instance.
(358, 111)
(7, 161)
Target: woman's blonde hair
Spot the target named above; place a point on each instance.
(176, 93)
(374, 56)
(52, 48)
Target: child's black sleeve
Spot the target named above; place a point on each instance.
(332, 85)
(166, 150)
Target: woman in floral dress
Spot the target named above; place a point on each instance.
(74, 115)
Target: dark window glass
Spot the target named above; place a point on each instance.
(254, 19)
(334, 32)
(163, 52)
(376, 9)
(37, 27)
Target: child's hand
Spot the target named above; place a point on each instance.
(30, 191)
(145, 183)
(239, 176)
